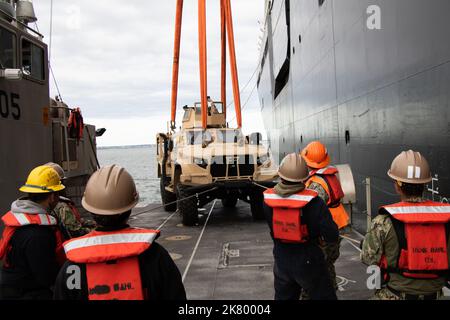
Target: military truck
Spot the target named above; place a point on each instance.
(197, 166)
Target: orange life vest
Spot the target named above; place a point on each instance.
(327, 178)
(287, 215)
(422, 231)
(76, 124)
(13, 221)
(112, 264)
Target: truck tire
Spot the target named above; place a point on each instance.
(167, 197)
(188, 207)
(257, 204)
(229, 202)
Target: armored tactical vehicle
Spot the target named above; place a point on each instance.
(197, 166)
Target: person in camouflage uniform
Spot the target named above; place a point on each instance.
(71, 223)
(382, 244)
(73, 226)
(317, 157)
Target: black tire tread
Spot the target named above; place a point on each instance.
(188, 207)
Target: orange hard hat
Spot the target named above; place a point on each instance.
(316, 155)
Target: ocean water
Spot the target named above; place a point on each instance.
(141, 163)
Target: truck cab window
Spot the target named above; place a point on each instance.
(7, 49)
(33, 60)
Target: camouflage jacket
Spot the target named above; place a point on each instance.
(70, 225)
(320, 190)
(381, 240)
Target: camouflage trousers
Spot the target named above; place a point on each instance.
(386, 294)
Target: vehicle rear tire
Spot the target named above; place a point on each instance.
(188, 207)
(230, 202)
(257, 204)
(167, 197)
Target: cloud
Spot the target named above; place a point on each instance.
(114, 58)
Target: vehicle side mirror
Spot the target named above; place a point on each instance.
(11, 74)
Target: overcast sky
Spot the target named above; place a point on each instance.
(114, 60)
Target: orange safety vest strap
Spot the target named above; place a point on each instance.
(115, 280)
(339, 214)
(105, 246)
(319, 180)
(23, 219)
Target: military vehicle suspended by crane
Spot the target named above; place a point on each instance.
(206, 160)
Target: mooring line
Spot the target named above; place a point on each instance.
(167, 220)
(198, 242)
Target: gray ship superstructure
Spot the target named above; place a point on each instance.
(368, 78)
(33, 127)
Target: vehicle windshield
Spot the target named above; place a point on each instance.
(229, 136)
(197, 137)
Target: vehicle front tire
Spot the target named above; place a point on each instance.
(257, 204)
(168, 198)
(187, 207)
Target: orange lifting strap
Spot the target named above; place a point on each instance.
(226, 30)
(223, 31)
(176, 61)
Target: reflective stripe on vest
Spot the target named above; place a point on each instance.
(13, 221)
(426, 212)
(24, 219)
(104, 246)
(299, 200)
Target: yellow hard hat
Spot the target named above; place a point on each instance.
(43, 179)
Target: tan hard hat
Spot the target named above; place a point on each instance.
(58, 169)
(410, 167)
(110, 191)
(293, 168)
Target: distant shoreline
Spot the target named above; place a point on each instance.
(127, 147)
